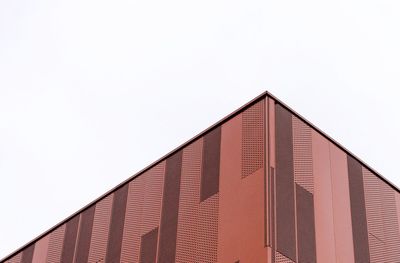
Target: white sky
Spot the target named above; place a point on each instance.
(93, 91)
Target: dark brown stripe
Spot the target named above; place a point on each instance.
(285, 206)
(170, 207)
(71, 231)
(211, 161)
(27, 254)
(305, 225)
(358, 212)
(117, 224)
(85, 234)
(148, 247)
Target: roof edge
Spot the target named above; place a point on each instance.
(183, 145)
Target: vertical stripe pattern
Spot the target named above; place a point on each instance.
(263, 186)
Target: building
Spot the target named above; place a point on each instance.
(261, 185)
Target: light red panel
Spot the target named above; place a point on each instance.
(397, 196)
(302, 155)
(391, 227)
(253, 138)
(132, 233)
(140, 203)
(40, 252)
(341, 205)
(324, 227)
(101, 226)
(188, 218)
(55, 245)
(375, 221)
(152, 198)
(207, 235)
(15, 259)
(382, 219)
(241, 216)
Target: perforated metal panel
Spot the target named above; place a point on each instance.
(253, 138)
(279, 258)
(55, 245)
(152, 201)
(212, 201)
(101, 226)
(132, 227)
(302, 154)
(383, 228)
(372, 188)
(207, 242)
(170, 209)
(391, 227)
(15, 259)
(143, 211)
(188, 218)
(148, 247)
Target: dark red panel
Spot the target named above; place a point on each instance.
(117, 225)
(358, 212)
(211, 161)
(71, 231)
(27, 254)
(148, 247)
(170, 207)
(285, 206)
(305, 225)
(85, 234)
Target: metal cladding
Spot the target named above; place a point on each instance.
(263, 185)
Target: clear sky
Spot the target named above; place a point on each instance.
(93, 91)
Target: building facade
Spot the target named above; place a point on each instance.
(261, 186)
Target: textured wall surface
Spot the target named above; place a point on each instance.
(262, 186)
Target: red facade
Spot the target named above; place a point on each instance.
(262, 185)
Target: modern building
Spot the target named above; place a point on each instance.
(262, 185)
